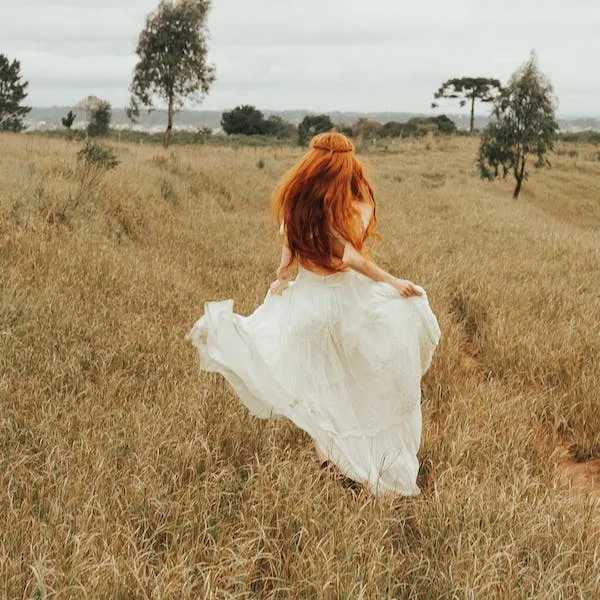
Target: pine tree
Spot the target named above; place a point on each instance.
(468, 89)
(12, 93)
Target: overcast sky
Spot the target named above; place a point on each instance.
(352, 55)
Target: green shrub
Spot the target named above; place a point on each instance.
(93, 154)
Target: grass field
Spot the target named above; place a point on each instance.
(124, 473)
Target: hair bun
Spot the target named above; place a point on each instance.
(332, 141)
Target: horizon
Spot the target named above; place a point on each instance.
(478, 113)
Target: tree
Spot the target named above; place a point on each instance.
(172, 49)
(525, 124)
(248, 120)
(69, 120)
(280, 128)
(445, 124)
(392, 129)
(97, 113)
(100, 117)
(420, 126)
(367, 129)
(312, 125)
(469, 89)
(12, 93)
(245, 119)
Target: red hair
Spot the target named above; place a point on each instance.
(318, 195)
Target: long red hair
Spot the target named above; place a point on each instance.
(317, 195)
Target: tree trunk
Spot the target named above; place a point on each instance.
(519, 173)
(169, 124)
(472, 114)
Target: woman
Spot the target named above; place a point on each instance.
(341, 349)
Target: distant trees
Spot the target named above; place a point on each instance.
(248, 120)
(172, 49)
(12, 93)
(468, 89)
(525, 124)
(418, 127)
(311, 125)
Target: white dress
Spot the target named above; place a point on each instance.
(339, 355)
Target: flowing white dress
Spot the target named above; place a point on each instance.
(339, 355)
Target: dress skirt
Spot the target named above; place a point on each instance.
(339, 355)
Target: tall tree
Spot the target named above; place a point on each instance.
(172, 50)
(12, 93)
(468, 89)
(525, 124)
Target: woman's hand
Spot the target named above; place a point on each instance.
(407, 288)
(278, 286)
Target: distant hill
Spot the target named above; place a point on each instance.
(50, 118)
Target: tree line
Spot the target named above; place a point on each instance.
(172, 67)
(249, 120)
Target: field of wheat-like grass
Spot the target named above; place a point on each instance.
(125, 473)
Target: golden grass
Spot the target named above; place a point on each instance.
(125, 473)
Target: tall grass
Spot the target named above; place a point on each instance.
(125, 473)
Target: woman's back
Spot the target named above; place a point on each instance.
(326, 201)
(364, 214)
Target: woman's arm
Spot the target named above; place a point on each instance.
(356, 261)
(286, 265)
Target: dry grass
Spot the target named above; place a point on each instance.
(124, 473)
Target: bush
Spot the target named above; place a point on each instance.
(95, 155)
(94, 161)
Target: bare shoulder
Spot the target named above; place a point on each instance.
(366, 211)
